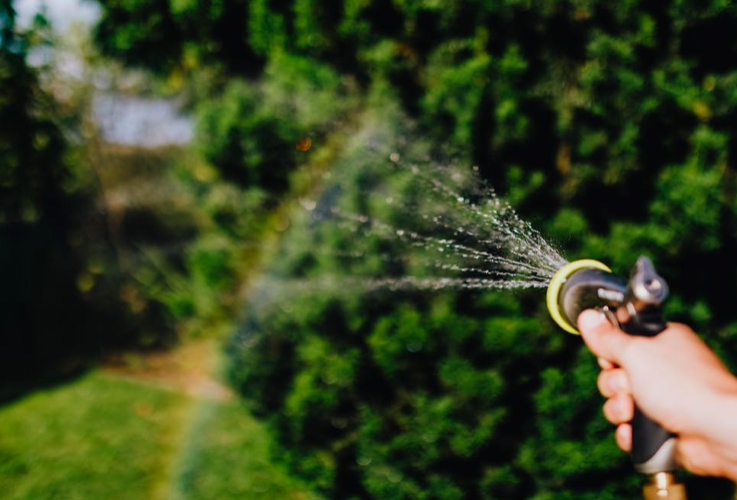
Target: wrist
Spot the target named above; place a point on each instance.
(720, 428)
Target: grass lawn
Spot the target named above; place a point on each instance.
(106, 437)
(228, 458)
(96, 437)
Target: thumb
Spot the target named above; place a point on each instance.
(604, 339)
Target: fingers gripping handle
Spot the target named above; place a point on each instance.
(635, 307)
(653, 448)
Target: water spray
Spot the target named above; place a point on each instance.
(635, 306)
(461, 235)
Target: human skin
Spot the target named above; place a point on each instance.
(677, 381)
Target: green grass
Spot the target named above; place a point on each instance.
(228, 458)
(105, 437)
(97, 437)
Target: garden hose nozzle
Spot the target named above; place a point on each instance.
(635, 307)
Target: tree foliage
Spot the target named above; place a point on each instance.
(61, 302)
(256, 134)
(34, 210)
(164, 35)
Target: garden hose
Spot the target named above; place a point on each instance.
(635, 307)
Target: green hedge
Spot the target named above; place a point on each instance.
(422, 395)
(611, 126)
(256, 134)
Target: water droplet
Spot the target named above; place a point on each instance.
(486, 245)
(414, 346)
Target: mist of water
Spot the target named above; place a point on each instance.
(423, 225)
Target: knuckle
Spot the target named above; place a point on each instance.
(619, 409)
(623, 436)
(602, 384)
(605, 364)
(609, 412)
(626, 407)
(612, 382)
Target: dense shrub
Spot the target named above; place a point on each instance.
(256, 134)
(610, 125)
(410, 395)
(166, 36)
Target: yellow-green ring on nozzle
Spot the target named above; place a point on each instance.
(557, 282)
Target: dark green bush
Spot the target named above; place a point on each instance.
(256, 134)
(177, 36)
(609, 125)
(62, 298)
(449, 395)
(38, 294)
(379, 396)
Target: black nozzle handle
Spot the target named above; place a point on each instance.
(635, 307)
(653, 448)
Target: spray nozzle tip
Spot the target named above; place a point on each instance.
(647, 285)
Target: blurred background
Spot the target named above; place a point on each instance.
(157, 158)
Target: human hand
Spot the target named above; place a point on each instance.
(677, 381)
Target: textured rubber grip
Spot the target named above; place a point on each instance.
(653, 448)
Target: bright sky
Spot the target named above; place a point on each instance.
(61, 12)
(121, 118)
